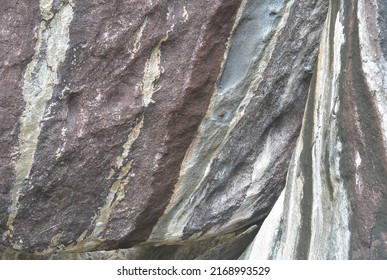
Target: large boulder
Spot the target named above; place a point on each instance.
(334, 205)
(165, 129)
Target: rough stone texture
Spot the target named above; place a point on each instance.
(164, 129)
(235, 169)
(334, 203)
(18, 23)
(224, 247)
(113, 95)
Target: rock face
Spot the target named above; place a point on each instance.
(104, 110)
(334, 203)
(149, 122)
(165, 129)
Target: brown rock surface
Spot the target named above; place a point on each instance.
(114, 93)
(161, 126)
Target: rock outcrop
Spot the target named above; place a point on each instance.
(334, 203)
(165, 129)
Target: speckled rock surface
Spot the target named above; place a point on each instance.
(334, 203)
(163, 127)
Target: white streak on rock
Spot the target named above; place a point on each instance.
(274, 241)
(329, 225)
(115, 195)
(129, 143)
(116, 192)
(268, 233)
(39, 81)
(326, 228)
(185, 14)
(357, 175)
(213, 134)
(357, 160)
(60, 150)
(45, 9)
(262, 162)
(373, 63)
(137, 43)
(153, 71)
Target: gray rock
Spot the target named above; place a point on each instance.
(334, 203)
(165, 129)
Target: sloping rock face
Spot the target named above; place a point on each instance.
(167, 127)
(334, 203)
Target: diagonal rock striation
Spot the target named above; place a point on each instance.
(153, 123)
(334, 203)
(169, 129)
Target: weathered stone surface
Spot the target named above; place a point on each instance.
(234, 169)
(113, 95)
(17, 37)
(228, 246)
(334, 203)
(164, 129)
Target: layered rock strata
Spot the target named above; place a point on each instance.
(334, 203)
(149, 123)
